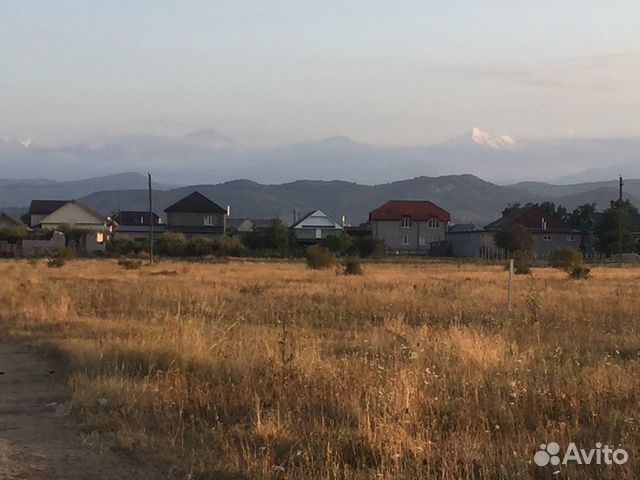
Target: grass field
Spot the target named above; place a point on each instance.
(269, 370)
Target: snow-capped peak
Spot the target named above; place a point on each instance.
(26, 143)
(498, 142)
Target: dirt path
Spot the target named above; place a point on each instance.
(37, 441)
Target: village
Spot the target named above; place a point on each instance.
(196, 225)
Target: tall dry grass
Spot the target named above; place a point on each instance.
(270, 370)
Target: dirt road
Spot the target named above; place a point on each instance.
(37, 440)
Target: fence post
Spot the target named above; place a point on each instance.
(510, 296)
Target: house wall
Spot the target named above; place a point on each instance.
(392, 233)
(474, 244)
(186, 219)
(310, 234)
(40, 247)
(74, 216)
(546, 243)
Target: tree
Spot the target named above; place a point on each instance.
(512, 207)
(617, 219)
(172, 244)
(581, 215)
(338, 244)
(514, 238)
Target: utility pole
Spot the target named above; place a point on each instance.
(150, 221)
(620, 221)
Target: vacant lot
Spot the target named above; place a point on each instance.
(270, 370)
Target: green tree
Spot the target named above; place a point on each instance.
(338, 244)
(617, 220)
(514, 238)
(172, 244)
(581, 215)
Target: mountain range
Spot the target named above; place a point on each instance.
(207, 156)
(467, 197)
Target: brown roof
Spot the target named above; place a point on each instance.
(532, 218)
(12, 219)
(418, 210)
(45, 207)
(196, 203)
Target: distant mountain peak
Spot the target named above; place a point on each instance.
(210, 138)
(338, 140)
(497, 142)
(26, 143)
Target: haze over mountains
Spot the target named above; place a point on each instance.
(208, 156)
(467, 197)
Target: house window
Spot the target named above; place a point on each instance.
(571, 238)
(405, 240)
(318, 233)
(99, 237)
(406, 222)
(208, 220)
(547, 238)
(423, 240)
(433, 223)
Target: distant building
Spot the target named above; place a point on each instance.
(134, 225)
(55, 214)
(41, 208)
(549, 233)
(9, 221)
(409, 226)
(315, 226)
(239, 227)
(195, 216)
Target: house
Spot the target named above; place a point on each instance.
(134, 225)
(41, 208)
(195, 215)
(409, 226)
(315, 226)
(9, 221)
(73, 214)
(240, 227)
(549, 233)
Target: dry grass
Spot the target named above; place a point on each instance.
(271, 370)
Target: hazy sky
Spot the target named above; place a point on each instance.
(403, 72)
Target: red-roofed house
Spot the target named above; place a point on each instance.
(409, 226)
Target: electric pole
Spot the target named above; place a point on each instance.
(621, 183)
(150, 221)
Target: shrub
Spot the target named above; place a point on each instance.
(172, 244)
(121, 246)
(130, 264)
(522, 263)
(352, 266)
(369, 247)
(338, 244)
(580, 273)
(232, 246)
(200, 246)
(319, 257)
(59, 257)
(566, 259)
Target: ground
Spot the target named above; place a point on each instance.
(37, 439)
(246, 369)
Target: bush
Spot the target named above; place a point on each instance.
(121, 246)
(319, 257)
(130, 264)
(172, 244)
(369, 247)
(232, 247)
(580, 273)
(60, 257)
(352, 266)
(566, 259)
(522, 263)
(338, 244)
(200, 246)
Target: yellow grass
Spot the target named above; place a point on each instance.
(270, 370)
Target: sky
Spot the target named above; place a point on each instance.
(269, 72)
